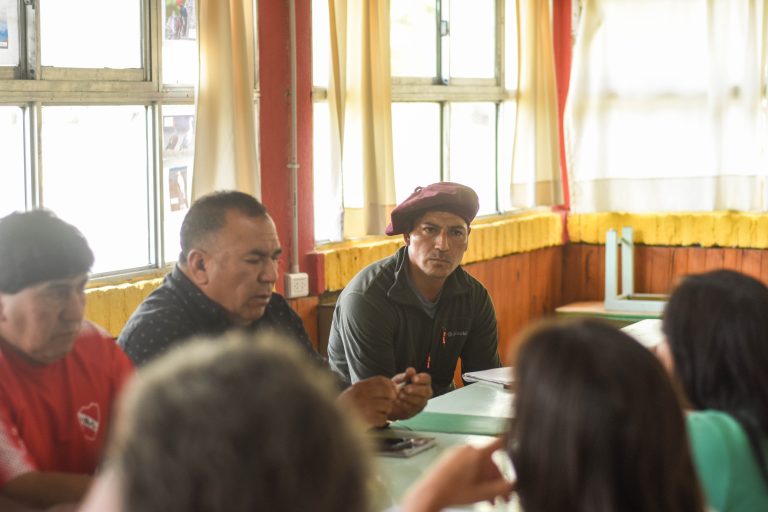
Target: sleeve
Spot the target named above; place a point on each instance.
(709, 449)
(365, 332)
(15, 460)
(147, 336)
(481, 350)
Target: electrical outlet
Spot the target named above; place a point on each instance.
(296, 285)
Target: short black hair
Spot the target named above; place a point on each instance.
(36, 246)
(209, 214)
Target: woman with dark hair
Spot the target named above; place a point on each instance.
(597, 428)
(716, 328)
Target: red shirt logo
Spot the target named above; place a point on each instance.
(89, 417)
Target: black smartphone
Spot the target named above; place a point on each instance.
(403, 446)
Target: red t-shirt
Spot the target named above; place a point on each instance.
(56, 417)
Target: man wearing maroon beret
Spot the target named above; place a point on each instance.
(417, 312)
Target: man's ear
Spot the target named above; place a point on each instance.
(407, 238)
(197, 267)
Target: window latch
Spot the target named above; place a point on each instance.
(444, 28)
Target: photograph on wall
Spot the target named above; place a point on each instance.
(3, 28)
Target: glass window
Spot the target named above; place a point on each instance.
(178, 157)
(413, 43)
(94, 170)
(180, 62)
(327, 209)
(416, 146)
(12, 190)
(88, 34)
(454, 64)
(473, 150)
(9, 33)
(321, 44)
(472, 38)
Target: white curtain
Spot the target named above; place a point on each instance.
(667, 106)
(536, 179)
(359, 97)
(226, 137)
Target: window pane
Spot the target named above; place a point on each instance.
(506, 140)
(510, 45)
(12, 169)
(326, 201)
(180, 62)
(9, 33)
(178, 157)
(321, 44)
(473, 47)
(413, 38)
(88, 34)
(94, 166)
(473, 150)
(416, 146)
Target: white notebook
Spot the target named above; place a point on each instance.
(647, 332)
(503, 376)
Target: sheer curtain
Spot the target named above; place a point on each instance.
(359, 97)
(667, 106)
(225, 141)
(536, 179)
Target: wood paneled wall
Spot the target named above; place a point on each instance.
(523, 287)
(657, 269)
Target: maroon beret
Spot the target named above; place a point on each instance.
(444, 196)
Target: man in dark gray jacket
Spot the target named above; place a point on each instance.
(418, 311)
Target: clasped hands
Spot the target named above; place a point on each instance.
(379, 399)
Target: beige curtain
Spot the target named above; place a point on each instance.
(226, 137)
(536, 178)
(359, 97)
(667, 106)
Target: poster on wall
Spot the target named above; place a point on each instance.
(9, 33)
(3, 28)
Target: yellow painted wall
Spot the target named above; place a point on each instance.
(714, 229)
(110, 306)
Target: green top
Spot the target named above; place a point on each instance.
(729, 474)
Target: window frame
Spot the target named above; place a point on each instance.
(31, 87)
(445, 91)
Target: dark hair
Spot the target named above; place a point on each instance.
(716, 325)
(236, 424)
(208, 215)
(37, 246)
(598, 426)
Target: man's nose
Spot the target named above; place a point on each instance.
(441, 241)
(269, 273)
(74, 307)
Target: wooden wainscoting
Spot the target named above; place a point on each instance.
(657, 268)
(523, 287)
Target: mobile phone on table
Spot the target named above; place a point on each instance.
(403, 446)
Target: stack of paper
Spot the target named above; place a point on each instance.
(501, 376)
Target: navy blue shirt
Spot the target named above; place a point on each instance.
(179, 310)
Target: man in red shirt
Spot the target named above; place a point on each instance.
(59, 374)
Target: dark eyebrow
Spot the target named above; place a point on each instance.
(433, 225)
(261, 254)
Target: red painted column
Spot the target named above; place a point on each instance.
(274, 48)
